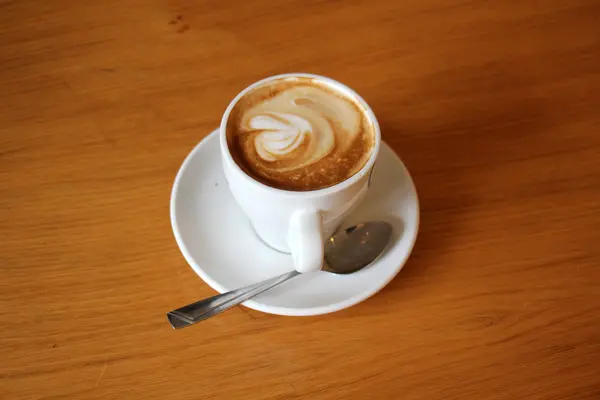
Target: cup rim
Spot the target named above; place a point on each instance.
(225, 152)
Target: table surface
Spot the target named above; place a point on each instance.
(493, 106)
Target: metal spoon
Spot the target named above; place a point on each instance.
(347, 251)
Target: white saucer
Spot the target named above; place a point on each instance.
(216, 239)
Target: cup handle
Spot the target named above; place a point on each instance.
(305, 240)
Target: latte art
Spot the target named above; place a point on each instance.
(297, 127)
(297, 135)
(279, 134)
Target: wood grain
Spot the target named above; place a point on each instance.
(494, 107)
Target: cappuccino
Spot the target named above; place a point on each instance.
(299, 134)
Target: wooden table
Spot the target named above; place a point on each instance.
(493, 106)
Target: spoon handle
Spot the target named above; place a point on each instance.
(204, 309)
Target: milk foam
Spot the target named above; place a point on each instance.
(299, 134)
(300, 126)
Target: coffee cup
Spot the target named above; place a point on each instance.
(298, 187)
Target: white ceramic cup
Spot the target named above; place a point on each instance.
(290, 221)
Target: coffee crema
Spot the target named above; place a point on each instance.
(299, 134)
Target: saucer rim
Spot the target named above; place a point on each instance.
(280, 310)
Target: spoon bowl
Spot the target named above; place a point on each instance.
(351, 249)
